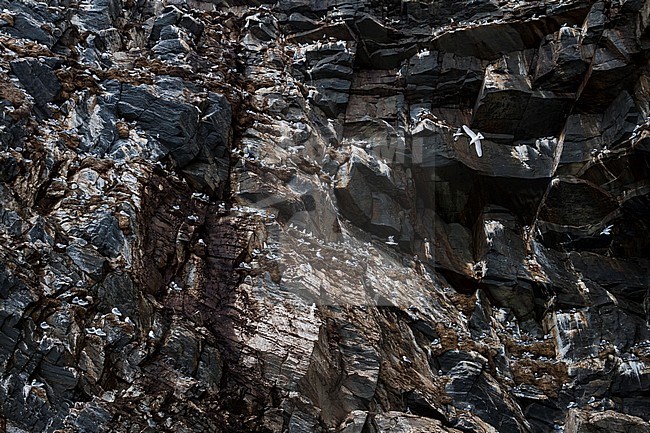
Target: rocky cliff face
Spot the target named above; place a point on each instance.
(197, 199)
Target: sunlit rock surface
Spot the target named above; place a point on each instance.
(257, 217)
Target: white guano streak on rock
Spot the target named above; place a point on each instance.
(491, 229)
(565, 326)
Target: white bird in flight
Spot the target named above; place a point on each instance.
(607, 230)
(475, 139)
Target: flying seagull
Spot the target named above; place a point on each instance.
(391, 240)
(458, 134)
(475, 139)
(607, 230)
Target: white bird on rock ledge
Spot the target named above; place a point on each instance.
(34, 384)
(475, 139)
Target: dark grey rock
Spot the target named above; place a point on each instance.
(40, 232)
(452, 358)
(210, 368)
(171, 46)
(28, 24)
(192, 25)
(301, 22)
(327, 68)
(332, 96)
(11, 221)
(508, 105)
(619, 120)
(591, 203)
(169, 17)
(55, 371)
(38, 78)
(172, 123)
(92, 418)
(105, 234)
(595, 23)
(262, 26)
(543, 417)
(117, 291)
(8, 168)
(100, 15)
(503, 253)
(561, 62)
(214, 131)
(582, 137)
(474, 391)
(609, 74)
(88, 260)
(365, 192)
(98, 130)
(424, 70)
(180, 127)
(181, 350)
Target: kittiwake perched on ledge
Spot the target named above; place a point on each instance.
(458, 134)
(474, 139)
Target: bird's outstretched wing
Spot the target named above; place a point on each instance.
(477, 146)
(469, 132)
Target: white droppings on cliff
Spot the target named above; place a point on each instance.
(633, 368)
(95, 123)
(566, 327)
(563, 345)
(582, 287)
(27, 388)
(478, 269)
(520, 152)
(492, 228)
(610, 296)
(384, 169)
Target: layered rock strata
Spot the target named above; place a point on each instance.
(197, 199)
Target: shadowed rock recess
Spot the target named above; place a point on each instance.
(238, 216)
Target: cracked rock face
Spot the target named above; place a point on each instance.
(234, 216)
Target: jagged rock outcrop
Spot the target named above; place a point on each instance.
(243, 216)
